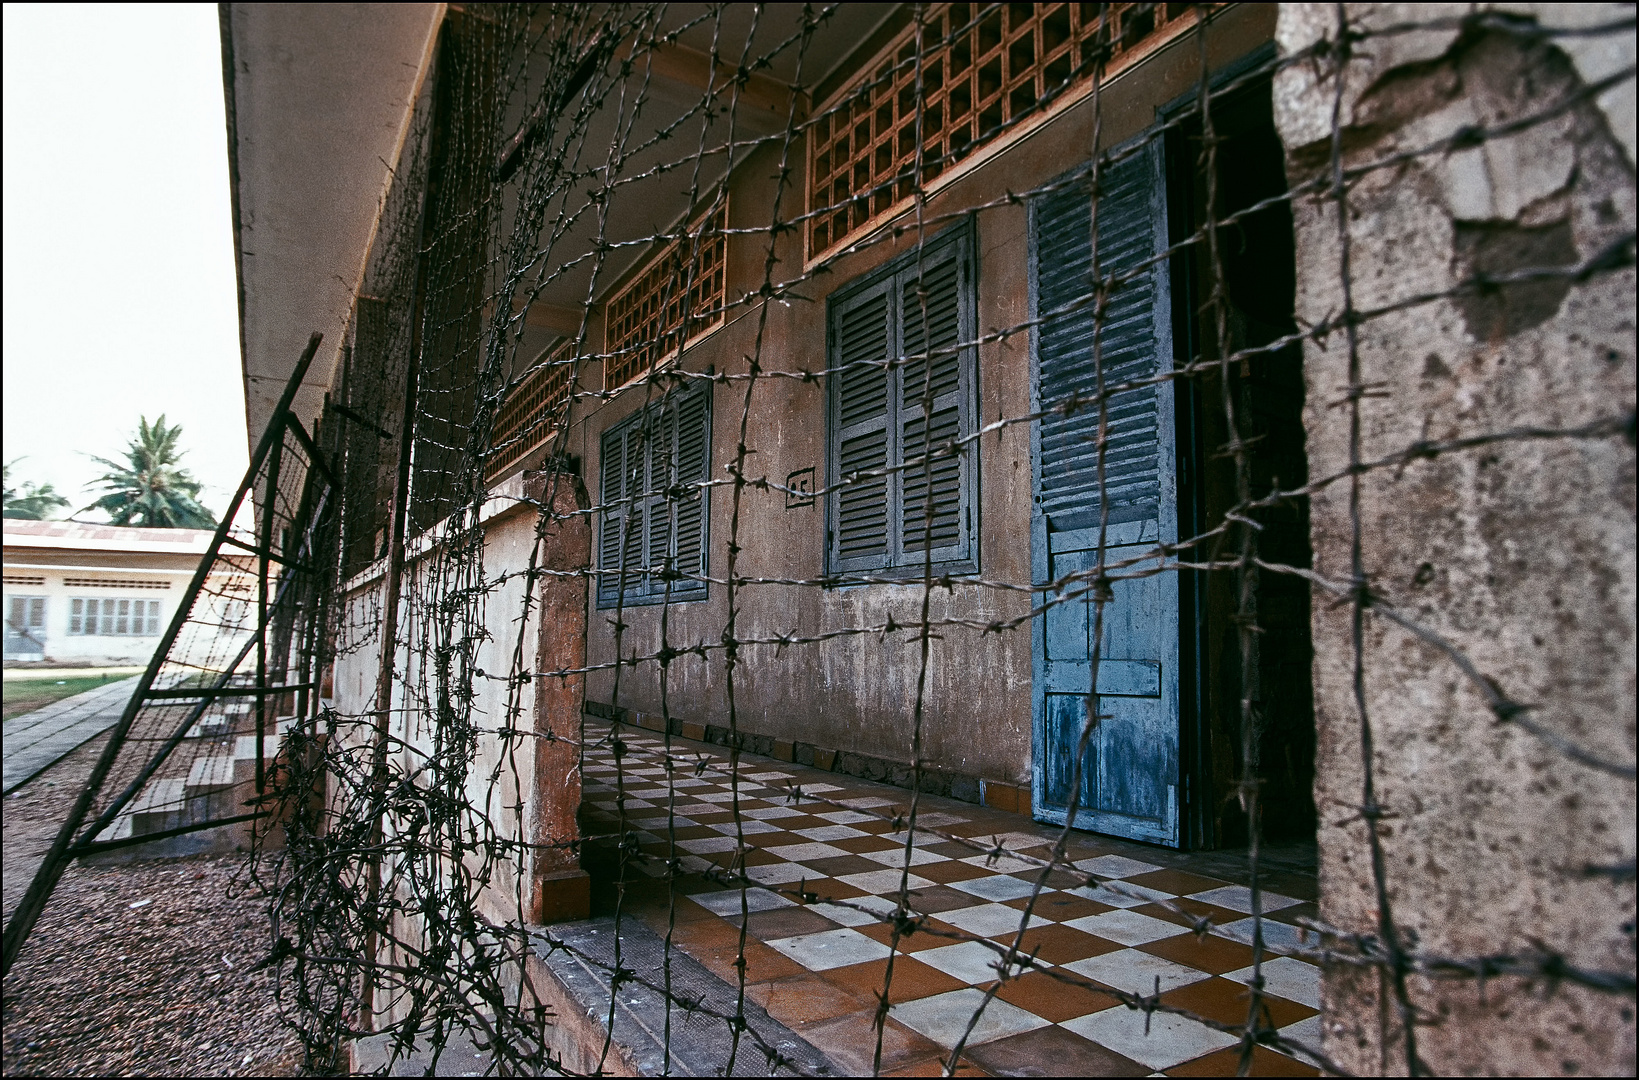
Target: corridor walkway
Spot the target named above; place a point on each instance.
(817, 967)
(36, 740)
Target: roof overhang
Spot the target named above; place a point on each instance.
(90, 536)
(321, 98)
(319, 101)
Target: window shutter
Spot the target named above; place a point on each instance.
(693, 458)
(660, 448)
(613, 498)
(914, 312)
(1126, 347)
(635, 509)
(931, 323)
(647, 463)
(862, 336)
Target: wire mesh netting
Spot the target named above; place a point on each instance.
(198, 743)
(580, 262)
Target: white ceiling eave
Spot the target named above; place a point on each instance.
(319, 102)
(321, 98)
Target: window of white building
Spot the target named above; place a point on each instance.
(25, 623)
(113, 617)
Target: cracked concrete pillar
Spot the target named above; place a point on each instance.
(1518, 552)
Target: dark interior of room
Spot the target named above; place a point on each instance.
(1265, 392)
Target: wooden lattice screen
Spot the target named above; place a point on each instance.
(533, 411)
(647, 322)
(983, 69)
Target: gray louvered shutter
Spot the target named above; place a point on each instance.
(691, 431)
(623, 468)
(1137, 466)
(932, 320)
(650, 465)
(660, 447)
(861, 334)
(612, 459)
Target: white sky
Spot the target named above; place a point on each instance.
(120, 296)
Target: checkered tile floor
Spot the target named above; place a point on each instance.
(817, 966)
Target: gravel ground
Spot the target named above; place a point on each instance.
(136, 968)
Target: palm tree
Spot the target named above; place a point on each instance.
(150, 489)
(33, 502)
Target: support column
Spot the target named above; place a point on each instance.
(562, 890)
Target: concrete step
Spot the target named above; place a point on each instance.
(211, 790)
(210, 774)
(162, 804)
(119, 830)
(244, 759)
(241, 723)
(244, 756)
(209, 726)
(576, 987)
(244, 747)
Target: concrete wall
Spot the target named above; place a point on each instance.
(501, 752)
(1519, 553)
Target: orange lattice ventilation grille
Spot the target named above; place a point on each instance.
(983, 69)
(647, 322)
(533, 411)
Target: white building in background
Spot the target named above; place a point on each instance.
(94, 594)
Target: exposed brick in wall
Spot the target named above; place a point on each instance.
(561, 889)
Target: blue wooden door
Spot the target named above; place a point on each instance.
(1129, 778)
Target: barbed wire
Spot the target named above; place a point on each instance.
(412, 819)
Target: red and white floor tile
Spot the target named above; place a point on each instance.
(818, 967)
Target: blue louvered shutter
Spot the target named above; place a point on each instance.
(1130, 206)
(1130, 774)
(862, 341)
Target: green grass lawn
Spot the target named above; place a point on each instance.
(26, 695)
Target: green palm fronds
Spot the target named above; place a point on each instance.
(150, 489)
(35, 502)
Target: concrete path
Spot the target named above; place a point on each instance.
(31, 673)
(34, 741)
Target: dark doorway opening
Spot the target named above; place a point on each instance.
(1265, 391)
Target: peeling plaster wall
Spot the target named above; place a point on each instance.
(856, 693)
(1520, 553)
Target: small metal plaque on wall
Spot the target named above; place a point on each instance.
(799, 488)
